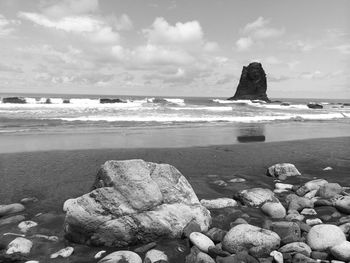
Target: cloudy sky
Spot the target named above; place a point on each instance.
(174, 48)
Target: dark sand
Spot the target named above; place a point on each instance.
(55, 176)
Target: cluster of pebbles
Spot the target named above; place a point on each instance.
(292, 223)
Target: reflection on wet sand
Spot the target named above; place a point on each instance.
(255, 133)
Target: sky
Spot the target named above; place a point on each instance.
(174, 48)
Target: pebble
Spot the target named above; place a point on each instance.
(154, 255)
(328, 168)
(12, 220)
(277, 256)
(19, 245)
(256, 196)
(308, 211)
(220, 183)
(274, 209)
(218, 203)
(283, 186)
(311, 194)
(341, 251)
(26, 225)
(27, 200)
(314, 221)
(294, 216)
(11, 209)
(99, 254)
(315, 184)
(298, 203)
(237, 180)
(324, 236)
(64, 252)
(201, 241)
(122, 256)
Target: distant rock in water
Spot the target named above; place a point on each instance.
(14, 100)
(66, 101)
(252, 84)
(111, 101)
(313, 105)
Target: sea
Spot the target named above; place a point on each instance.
(56, 121)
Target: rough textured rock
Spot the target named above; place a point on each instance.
(197, 256)
(218, 203)
(258, 241)
(322, 237)
(14, 100)
(252, 84)
(19, 245)
(64, 252)
(216, 234)
(154, 256)
(342, 203)
(329, 190)
(301, 258)
(296, 247)
(341, 251)
(134, 202)
(256, 196)
(122, 256)
(274, 209)
(282, 171)
(298, 203)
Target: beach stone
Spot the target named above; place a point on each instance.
(324, 236)
(11, 220)
(197, 256)
(283, 186)
(342, 203)
(26, 225)
(344, 219)
(301, 258)
(99, 254)
(279, 191)
(287, 231)
(32, 261)
(11, 209)
(328, 168)
(238, 221)
(191, 227)
(345, 228)
(201, 241)
(304, 227)
(282, 171)
(274, 209)
(134, 202)
(298, 203)
(296, 247)
(301, 191)
(308, 211)
(294, 216)
(221, 183)
(315, 184)
(64, 252)
(311, 194)
(155, 255)
(329, 190)
(337, 261)
(216, 234)
(237, 180)
(256, 196)
(319, 255)
(28, 200)
(217, 252)
(258, 241)
(145, 248)
(19, 245)
(277, 256)
(122, 256)
(218, 203)
(314, 221)
(341, 251)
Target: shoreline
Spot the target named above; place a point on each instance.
(54, 176)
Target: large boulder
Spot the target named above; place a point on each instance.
(134, 201)
(257, 241)
(256, 196)
(324, 236)
(252, 84)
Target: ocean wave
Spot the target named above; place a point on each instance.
(181, 118)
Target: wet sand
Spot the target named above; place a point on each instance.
(55, 176)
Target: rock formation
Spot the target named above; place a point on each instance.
(252, 84)
(133, 202)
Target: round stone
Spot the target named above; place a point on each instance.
(201, 241)
(324, 236)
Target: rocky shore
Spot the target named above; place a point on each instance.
(137, 210)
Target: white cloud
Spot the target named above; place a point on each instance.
(9, 68)
(123, 22)
(7, 26)
(162, 32)
(91, 27)
(311, 75)
(301, 45)
(256, 32)
(343, 49)
(71, 7)
(244, 43)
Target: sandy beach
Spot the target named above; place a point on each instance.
(54, 176)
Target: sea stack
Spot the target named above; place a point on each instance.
(252, 84)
